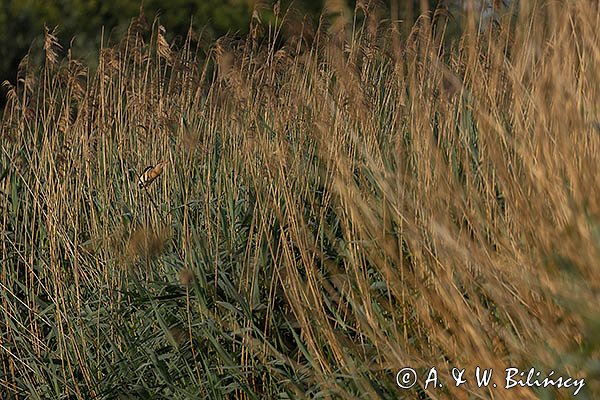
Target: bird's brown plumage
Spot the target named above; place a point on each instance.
(150, 174)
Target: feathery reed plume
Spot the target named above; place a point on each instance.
(162, 46)
(51, 45)
(146, 244)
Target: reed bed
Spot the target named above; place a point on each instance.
(339, 201)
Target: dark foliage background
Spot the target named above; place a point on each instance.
(83, 24)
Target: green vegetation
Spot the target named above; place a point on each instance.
(339, 201)
(79, 23)
(22, 22)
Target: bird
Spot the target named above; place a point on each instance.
(150, 174)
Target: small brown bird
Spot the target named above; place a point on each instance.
(150, 174)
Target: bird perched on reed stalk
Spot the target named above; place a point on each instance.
(150, 174)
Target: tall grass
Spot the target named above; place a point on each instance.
(339, 202)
